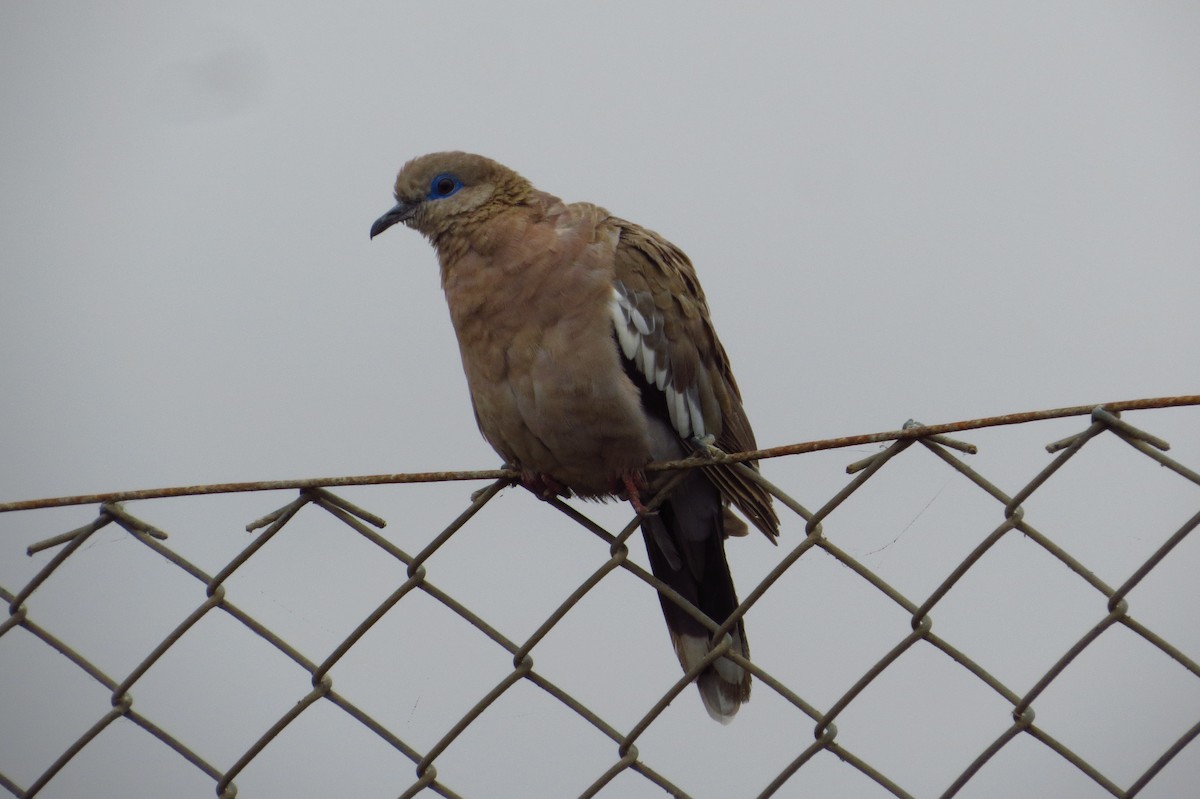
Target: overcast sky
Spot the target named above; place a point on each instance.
(937, 211)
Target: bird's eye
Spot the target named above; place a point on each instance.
(443, 186)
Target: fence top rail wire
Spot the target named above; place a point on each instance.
(909, 432)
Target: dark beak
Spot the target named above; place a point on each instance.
(401, 212)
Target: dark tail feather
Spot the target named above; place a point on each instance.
(686, 545)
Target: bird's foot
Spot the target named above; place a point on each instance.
(634, 484)
(544, 486)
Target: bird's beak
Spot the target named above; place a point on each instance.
(401, 212)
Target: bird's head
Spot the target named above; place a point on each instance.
(438, 192)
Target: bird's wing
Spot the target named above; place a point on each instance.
(662, 325)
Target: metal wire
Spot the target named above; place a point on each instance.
(1114, 610)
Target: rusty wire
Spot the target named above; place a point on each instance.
(1114, 611)
(911, 431)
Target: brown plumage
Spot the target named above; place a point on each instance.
(589, 353)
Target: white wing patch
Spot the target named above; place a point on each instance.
(640, 334)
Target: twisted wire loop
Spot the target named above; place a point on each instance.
(219, 594)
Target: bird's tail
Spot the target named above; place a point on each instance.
(686, 544)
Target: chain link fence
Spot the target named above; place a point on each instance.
(404, 664)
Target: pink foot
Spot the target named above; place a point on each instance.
(634, 484)
(544, 486)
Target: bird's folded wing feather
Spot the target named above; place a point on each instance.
(662, 325)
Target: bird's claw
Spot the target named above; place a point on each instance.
(543, 486)
(634, 485)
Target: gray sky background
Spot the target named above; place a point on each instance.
(937, 211)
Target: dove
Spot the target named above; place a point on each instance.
(589, 353)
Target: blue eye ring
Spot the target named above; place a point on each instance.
(443, 185)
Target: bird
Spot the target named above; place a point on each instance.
(589, 353)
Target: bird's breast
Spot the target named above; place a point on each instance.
(543, 367)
